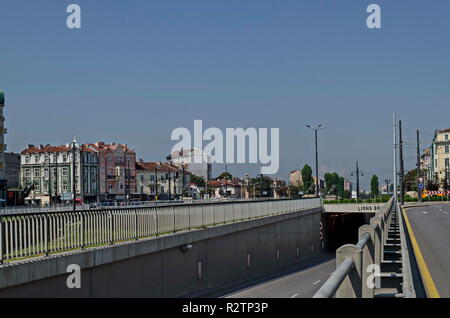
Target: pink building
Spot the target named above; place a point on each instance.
(117, 175)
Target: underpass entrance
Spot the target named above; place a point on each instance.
(342, 228)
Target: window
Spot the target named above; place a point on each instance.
(446, 149)
(27, 172)
(36, 158)
(64, 158)
(142, 178)
(65, 186)
(37, 172)
(447, 162)
(65, 171)
(142, 189)
(152, 178)
(27, 159)
(446, 137)
(37, 186)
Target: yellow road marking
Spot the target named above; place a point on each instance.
(430, 287)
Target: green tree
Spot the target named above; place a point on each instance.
(307, 179)
(331, 183)
(225, 175)
(198, 181)
(374, 186)
(341, 189)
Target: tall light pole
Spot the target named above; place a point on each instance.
(357, 173)
(395, 157)
(317, 156)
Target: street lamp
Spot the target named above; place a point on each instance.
(317, 156)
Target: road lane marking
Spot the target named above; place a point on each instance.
(294, 296)
(424, 212)
(316, 282)
(430, 287)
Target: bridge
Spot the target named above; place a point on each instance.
(272, 248)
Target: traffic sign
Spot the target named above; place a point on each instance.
(421, 186)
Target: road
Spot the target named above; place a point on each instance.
(302, 282)
(431, 230)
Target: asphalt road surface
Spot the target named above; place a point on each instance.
(302, 282)
(431, 228)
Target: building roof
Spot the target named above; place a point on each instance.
(221, 183)
(31, 149)
(103, 147)
(443, 130)
(151, 166)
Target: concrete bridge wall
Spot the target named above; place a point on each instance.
(159, 268)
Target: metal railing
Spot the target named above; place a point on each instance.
(355, 263)
(113, 205)
(41, 234)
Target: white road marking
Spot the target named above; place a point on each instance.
(425, 212)
(294, 296)
(317, 282)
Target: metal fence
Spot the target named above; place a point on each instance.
(353, 261)
(41, 234)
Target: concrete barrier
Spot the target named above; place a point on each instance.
(196, 262)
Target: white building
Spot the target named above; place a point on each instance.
(194, 160)
(47, 174)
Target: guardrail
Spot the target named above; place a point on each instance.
(117, 205)
(355, 263)
(41, 234)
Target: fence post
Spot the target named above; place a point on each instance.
(82, 231)
(1, 239)
(376, 223)
(368, 260)
(135, 225)
(111, 234)
(352, 284)
(46, 234)
(157, 222)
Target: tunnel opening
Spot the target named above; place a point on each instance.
(342, 228)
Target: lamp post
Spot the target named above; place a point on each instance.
(156, 181)
(357, 173)
(317, 156)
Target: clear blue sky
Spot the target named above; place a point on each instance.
(138, 69)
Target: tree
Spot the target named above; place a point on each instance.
(331, 183)
(307, 178)
(198, 181)
(341, 189)
(411, 180)
(225, 175)
(374, 186)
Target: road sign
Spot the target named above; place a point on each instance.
(421, 186)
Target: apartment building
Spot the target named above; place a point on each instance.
(157, 179)
(48, 173)
(440, 155)
(117, 171)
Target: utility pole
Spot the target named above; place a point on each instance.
(419, 190)
(402, 172)
(317, 157)
(357, 180)
(50, 179)
(74, 188)
(226, 180)
(262, 185)
(395, 157)
(357, 173)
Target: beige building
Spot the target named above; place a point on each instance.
(157, 179)
(440, 155)
(295, 178)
